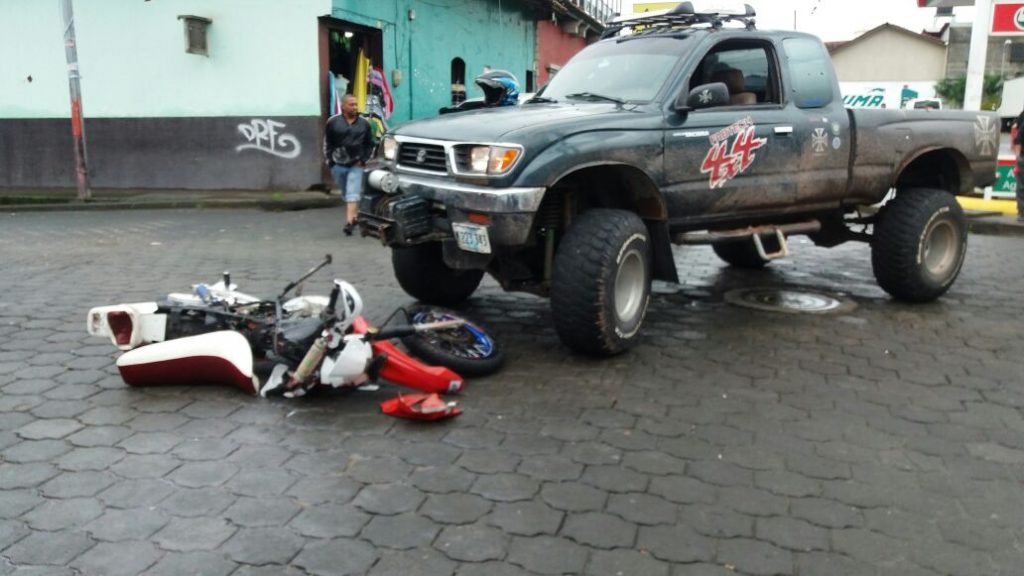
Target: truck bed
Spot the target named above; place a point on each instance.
(887, 140)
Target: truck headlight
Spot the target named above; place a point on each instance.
(390, 148)
(489, 160)
(478, 159)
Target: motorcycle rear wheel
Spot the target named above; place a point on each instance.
(468, 349)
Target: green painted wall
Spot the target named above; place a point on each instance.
(495, 33)
(263, 59)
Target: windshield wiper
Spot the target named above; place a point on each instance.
(594, 96)
(540, 100)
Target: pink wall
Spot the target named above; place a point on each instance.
(554, 47)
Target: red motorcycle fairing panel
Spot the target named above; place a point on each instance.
(214, 358)
(401, 368)
(420, 407)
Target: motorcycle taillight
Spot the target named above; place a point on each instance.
(121, 327)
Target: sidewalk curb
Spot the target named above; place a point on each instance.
(978, 222)
(995, 227)
(268, 205)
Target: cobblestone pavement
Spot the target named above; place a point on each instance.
(884, 440)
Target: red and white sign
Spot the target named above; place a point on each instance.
(1008, 19)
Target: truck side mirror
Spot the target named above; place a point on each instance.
(704, 96)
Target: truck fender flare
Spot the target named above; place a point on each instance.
(963, 167)
(650, 205)
(639, 179)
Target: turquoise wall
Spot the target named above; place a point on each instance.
(495, 33)
(263, 58)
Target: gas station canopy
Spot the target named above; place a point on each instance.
(944, 3)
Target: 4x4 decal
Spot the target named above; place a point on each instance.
(725, 165)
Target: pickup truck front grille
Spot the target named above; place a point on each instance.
(462, 158)
(420, 156)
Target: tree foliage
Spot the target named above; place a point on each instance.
(952, 90)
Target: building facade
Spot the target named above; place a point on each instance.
(888, 66)
(430, 52)
(244, 114)
(1004, 54)
(233, 94)
(567, 26)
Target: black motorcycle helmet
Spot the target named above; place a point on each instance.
(500, 88)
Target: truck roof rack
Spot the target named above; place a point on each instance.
(683, 16)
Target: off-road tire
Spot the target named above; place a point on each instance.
(919, 244)
(602, 282)
(740, 254)
(422, 273)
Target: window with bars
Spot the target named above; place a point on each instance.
(195, 34)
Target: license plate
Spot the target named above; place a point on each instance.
(472, 237)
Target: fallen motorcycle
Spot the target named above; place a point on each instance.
(217, 334)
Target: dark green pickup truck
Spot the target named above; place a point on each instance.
(679, 128)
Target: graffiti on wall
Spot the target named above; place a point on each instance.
(265, 136)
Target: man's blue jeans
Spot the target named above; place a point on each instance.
(350, 180)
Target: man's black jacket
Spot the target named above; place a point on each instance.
(346, 144)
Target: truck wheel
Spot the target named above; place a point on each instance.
(919, 244)
(740, 254)
(422, 273)
(602, 282)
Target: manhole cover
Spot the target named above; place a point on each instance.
(791, 301)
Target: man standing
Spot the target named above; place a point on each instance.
(347, 145)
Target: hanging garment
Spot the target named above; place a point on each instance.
(359, 82)
(336, 87)
(376, 78)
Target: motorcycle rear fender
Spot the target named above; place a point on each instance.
(146, 325)
(214, 358)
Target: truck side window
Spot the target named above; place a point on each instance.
(745, 68)
(809, 67)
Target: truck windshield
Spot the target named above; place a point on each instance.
(632, 70)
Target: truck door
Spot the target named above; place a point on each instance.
(737, 158)
(821, 125)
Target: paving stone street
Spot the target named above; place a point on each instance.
(883, 440)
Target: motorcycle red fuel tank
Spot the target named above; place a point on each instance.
(214, 358)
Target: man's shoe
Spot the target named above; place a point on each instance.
(348, 229)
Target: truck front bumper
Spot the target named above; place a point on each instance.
(403, 209)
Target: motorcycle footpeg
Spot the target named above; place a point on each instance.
(276, 382)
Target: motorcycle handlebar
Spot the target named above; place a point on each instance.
(314, 270)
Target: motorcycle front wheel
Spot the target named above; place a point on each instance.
(468, 349)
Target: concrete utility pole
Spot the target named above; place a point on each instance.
(1002, 63)
(978, 53)
(77, 128)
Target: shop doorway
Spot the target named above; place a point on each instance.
(351, 62)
